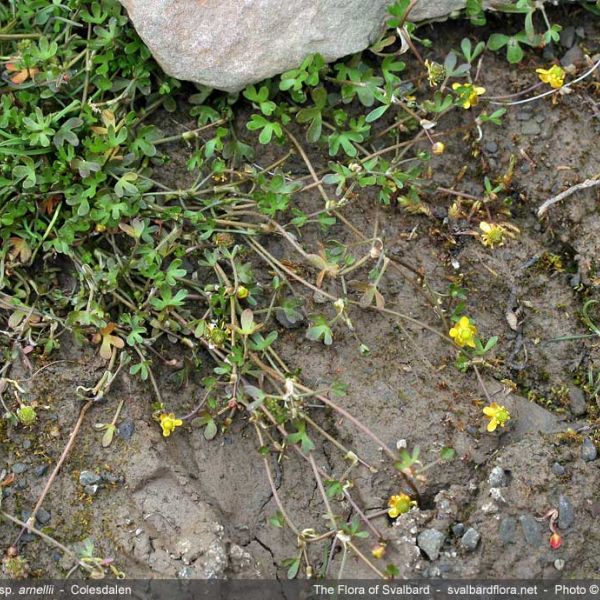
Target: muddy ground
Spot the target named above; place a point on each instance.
(188, 507)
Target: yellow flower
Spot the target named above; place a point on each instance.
(554, 76)
(168, 422)
(468, 93)
(378, 551)
(438, 148)
(400, 504)
(498, 415)
(463, 333)
(435, 72)
(492, 234)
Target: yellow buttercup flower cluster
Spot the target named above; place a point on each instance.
(378, 551)
(168, 423)
(463, 333)
(498, 415)
(400, 504)
(554, 76)
(468, 93)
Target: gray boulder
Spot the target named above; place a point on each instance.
(227, 44)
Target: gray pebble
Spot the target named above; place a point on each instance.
(559, 564)
(577, 402)
(42, 516)
(431, 542)
(491, 147)
(531, 128)
(523, 115)
(26, 444)
(531, 530)
(573, 56)
(126, 429)
(40, 471)
(567, 36)
(558, 469)
(458, 529)
(588, 450)
(185, 573)
(470, 540)
(566, 513)
(90, 490)
(89, 478)
(507, 530)
(109, 477)
(19, 468)
(497, 477)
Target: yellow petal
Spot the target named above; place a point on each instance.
(492, 425)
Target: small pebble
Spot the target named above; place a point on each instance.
(523, 115)
(126, 429)
(507, 530)
(558, 469)
(458, 529)
(27, 444)
(42, 516)
(470, 540)
(185, 573)
(89, 478)
(577, 402)
(491, 147)
(28, 538)
(566, 513)
(19, 468)
(109, 477)
(90, 490)
(531, 128)
(588, 450)
(572, 57)
(431, 542)
(567, 36)
(531, 530)
(497, 477)
(559, 564)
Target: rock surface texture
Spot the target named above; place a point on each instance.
(227, 44)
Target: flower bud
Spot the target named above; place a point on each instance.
(438, 148)
(555, 541)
